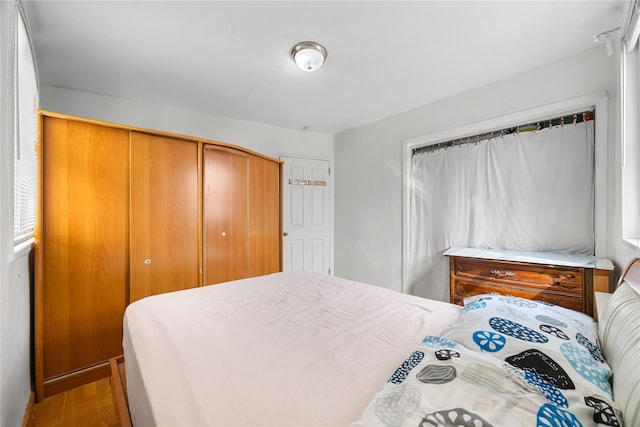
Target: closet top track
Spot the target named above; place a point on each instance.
(584, 116)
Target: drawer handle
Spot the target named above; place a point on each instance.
(560, 285)
(564, 277)
(505, 274)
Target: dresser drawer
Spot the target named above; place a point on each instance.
(557, 279)
(464, 288)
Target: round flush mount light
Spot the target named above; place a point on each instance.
(309, 56)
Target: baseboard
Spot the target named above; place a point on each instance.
(27, 412)
(76, 379)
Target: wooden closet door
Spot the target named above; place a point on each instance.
(264, 216)
(84, 242)
(225, 214)
(164, 215)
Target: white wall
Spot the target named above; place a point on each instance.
(267, 139)
(368, 159)
(16, 341)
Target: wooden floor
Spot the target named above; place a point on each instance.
(87, 406)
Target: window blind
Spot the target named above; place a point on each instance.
(25, 160)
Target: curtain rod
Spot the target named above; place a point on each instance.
(585, 116)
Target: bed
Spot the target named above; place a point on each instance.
(284, 349)
(301, 349)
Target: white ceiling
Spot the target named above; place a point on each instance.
(231, 59)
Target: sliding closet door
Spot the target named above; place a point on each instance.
(264, 216)
(84, 242)
(164, 215)
(226, 173)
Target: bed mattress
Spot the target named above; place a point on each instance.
(284, 349)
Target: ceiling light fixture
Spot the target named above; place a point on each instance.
(309, 56)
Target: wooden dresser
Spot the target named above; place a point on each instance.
(565, 280)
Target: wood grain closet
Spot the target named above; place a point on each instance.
(164, 215)
(241, 230)
(126, 213)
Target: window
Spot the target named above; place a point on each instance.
(630, 116)
(25, 138)
(630, 150)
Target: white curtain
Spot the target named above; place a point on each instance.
(530, 191)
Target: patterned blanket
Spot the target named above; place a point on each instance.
(504, 362)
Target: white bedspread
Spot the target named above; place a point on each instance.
(285, 349)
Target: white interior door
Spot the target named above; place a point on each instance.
(307, 215)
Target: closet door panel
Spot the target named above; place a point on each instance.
(164, 215)
(264, 216)
(84, 237)
(225, 215)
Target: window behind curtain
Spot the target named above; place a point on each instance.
(26, 135)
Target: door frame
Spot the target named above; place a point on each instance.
(331, 209)
(599, 101)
